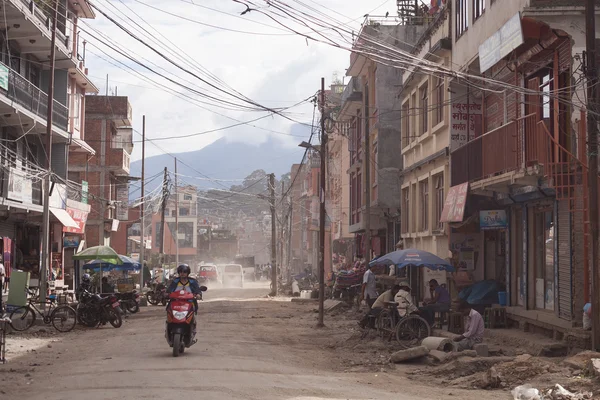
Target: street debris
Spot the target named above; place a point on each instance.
(438, 343)
(525, 392)
(409, 354)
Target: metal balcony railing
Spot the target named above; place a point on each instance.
(511, 147)
(352, 91)
(26, 94)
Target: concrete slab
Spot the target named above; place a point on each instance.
(409, 354)
(331, 305)
(481, 349)
(439, 356)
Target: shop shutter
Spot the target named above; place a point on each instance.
(564, 260)
(7, 229)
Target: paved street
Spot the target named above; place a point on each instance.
(250, 347)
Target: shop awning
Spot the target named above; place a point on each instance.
(64, 217)
(454, 206)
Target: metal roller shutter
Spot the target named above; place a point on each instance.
(7, 229)
(564, 260)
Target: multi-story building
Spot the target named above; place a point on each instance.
(24, 77)
(518, 196)
(297, 249)
(371, 110)
(187, 232)
(106, 173)
(424, 145)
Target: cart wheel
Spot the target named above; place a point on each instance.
(385, 324)
(411, 331)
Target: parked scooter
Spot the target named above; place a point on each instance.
(94, 310)
(158, 295)
(180, 327)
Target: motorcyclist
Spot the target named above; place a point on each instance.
(184, 282)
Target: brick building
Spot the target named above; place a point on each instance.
(108, 131)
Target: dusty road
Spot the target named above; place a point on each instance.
(249, 347)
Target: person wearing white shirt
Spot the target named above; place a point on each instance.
(369, 287)
(2, 277)
(474, 328)
(404, 300)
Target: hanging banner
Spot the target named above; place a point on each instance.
(454, 207)
(79, 212)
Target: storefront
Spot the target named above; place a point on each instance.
(73, 238)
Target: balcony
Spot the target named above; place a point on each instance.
(119, 162)
(351, 98)
(32, 98)
(513, 147)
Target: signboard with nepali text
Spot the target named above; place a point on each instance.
(493, 219)
(79, 212)
(466, 116)
(454, 207)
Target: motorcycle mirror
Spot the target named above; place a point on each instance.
(203, 288)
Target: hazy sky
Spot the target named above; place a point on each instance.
(275, 70)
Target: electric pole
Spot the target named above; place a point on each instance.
(593, 100)
(273, 236)
(176, 218)
(162, 218)
(367, 120)
(322, 211)
(46, 211)
(282, 225)
(143, 201)
(289, 238)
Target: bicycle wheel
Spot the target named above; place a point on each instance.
(22, 318)
(385, 324)
(63, 318)
(411, 330)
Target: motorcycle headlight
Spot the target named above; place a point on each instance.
(179, 314)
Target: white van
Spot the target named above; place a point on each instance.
(233, 275)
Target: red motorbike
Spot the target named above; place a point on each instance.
(180, 329)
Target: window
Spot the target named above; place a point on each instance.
(405, 124)
(405, 210)
(424, 186)
(438, 181)
(413, 117)
(76, 109)
(478, 8)
(187, 196)
(439, 100)
(358, 194)
(424, 108)
(374, 173)
(462, 17)
(173, 213)
(352, 198)
(184, 211)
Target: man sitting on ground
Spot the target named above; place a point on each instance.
(381, 302)
(474, 328)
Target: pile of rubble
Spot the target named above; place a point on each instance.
(477, 369)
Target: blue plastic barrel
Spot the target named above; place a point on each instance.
(502, 298)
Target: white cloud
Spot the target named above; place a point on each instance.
(275, 71)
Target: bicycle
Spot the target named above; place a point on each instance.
(62, 317)
(409, 330)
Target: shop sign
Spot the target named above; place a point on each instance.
(79, 212)
(84, 192)
(71, 241)
(15, 184)
(501, 43)
(454, 207)
(135, 256)
(466, 116)
(123, 202)
(3, 77)
(493, 219)
(58, 195)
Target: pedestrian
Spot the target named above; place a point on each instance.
(369, 287)
(474, 328)
(2, 278)
(381, 302)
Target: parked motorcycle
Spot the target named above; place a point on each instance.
(130, 301)
(94, 310)
(180, 327)
(158, 295)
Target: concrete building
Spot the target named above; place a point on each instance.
(106, 173)
(25, 72)
(425, 124)
(518, 202)
(187, 235)
(371, 106)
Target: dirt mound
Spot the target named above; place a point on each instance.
(580, 360)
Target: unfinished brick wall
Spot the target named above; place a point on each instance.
(494, 103)
(115, 106)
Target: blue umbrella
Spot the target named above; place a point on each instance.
(127, 264)
(417, 258)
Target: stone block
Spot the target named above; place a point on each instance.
(481, 349)
(331, 305)
(593, 367)
(439, 356)
(409, 354)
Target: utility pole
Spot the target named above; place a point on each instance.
(273, 236)
(282, 225)
(289, 238)
(46, 211)
(162, 218)
(366, 118)
(322, 210)
(592, 139)
(176, 218)
(143, 201)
